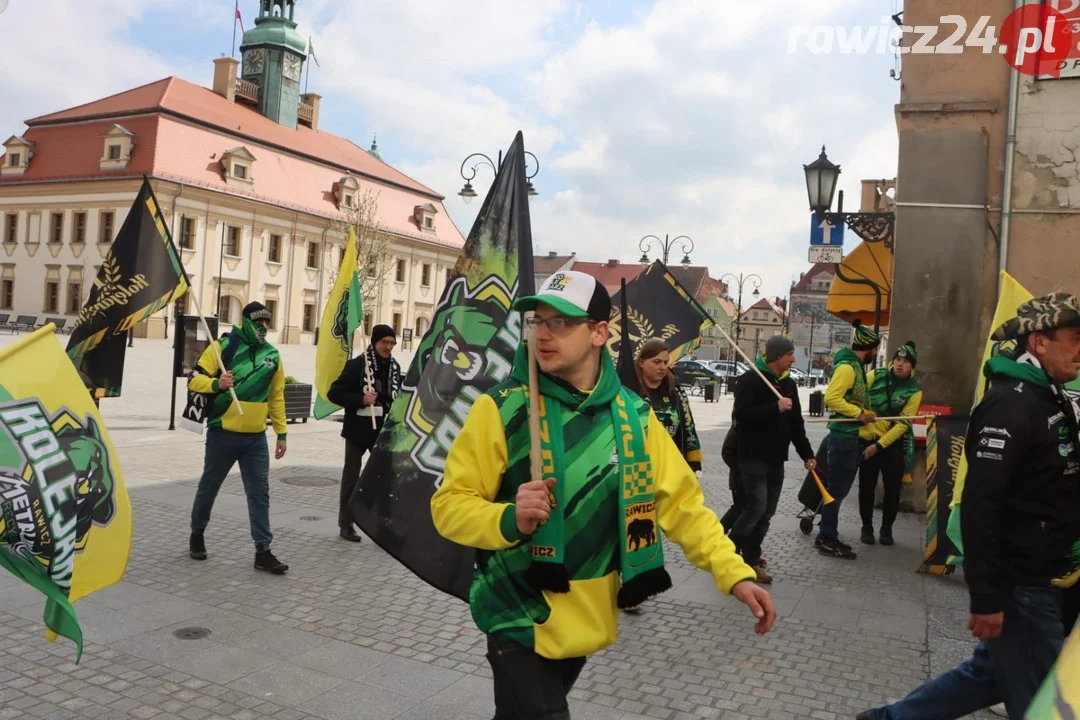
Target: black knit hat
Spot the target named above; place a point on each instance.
(777, 347)
(381, 331)
(908, 351)
(257, 311)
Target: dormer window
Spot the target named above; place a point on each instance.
(17, 156)
(236, 165)
(424, 217)
(118, 145)
(345, 191)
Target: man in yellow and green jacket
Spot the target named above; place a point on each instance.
(893, 392)
(557, 557)
(253, 369)
(847, 396)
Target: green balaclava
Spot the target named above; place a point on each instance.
(255, 333)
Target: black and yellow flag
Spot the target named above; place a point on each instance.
(657, 306)
(141, 274)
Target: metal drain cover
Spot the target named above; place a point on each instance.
(310, 481)
(191, 633)
(310, 518)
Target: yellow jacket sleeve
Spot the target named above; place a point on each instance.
(900, 427)
(683, 516)
(842, 380)
(276, 401)
(207, 361)
(464, 508)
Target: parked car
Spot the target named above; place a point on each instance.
(694, 372)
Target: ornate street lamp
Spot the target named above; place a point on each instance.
(822, 177)
(467, 193)
(666, 244)
(740, 280)
(821, 180)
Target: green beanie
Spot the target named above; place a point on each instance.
(907, 350)
(864, 338)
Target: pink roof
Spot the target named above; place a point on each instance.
(181, 131)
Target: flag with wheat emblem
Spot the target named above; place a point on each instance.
(657, 306)
(141, 274)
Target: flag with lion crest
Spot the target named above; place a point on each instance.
(657, 306)
(65, 517)
(343, 314)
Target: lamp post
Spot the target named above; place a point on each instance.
(666, 244)
(821, 180)
(741, 280)
(467, 193)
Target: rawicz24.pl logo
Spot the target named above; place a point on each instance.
(1036, 39)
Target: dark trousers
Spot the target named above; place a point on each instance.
(889, 463)
(530, 687)
(1009, 668)
(350, 476)
(761, 485)
(845, 454)
(224, 449)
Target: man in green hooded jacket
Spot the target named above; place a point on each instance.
(557, 557)
(253, 369)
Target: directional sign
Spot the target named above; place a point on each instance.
(826, 254)
(824, 233)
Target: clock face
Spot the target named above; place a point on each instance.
(253, 62)
(292, 66)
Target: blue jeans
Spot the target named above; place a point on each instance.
(845, 454)
(223, 450)
(762, 483)
(1010, 668)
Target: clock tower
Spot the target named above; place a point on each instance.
(272, 57)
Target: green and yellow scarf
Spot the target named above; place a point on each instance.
(641, 550)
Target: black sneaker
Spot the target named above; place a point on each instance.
(197, 548)
(886, 536)
(266, 562)
(349, 534)
(868, 536)
(834, 548)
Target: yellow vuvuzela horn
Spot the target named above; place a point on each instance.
(825, 496)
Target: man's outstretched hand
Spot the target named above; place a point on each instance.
(761, 605)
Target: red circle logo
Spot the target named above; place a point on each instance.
(1036, 39)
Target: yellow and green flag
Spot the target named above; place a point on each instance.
(65, 517)
(343, 313)
(1012, 296)
(1059, 696)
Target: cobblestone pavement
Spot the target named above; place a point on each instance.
(349, 633)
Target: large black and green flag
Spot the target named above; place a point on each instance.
(656, 305)
(141, 274)
(467, 350)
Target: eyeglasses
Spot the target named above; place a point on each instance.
(558, 325)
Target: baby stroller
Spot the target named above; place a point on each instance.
(810, 494)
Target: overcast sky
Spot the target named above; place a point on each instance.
(686, 117)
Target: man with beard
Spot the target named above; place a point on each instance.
(253, 369)
(1018, 515)
(364, 396)
(846, 397)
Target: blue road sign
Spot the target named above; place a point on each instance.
(818, 235)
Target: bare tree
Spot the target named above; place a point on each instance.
(361, 216)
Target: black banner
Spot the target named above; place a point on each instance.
(141, 274)
(945, 437)
(657, 306)
(468, 349)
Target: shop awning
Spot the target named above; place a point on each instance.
(863, 276)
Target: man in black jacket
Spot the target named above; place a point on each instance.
(1020, 518)
(364, 394)
(764, 426)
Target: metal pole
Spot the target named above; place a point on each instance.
(221, 262)
(172, 376)
(810, 353)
